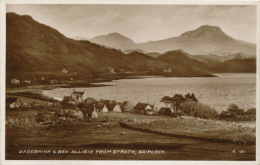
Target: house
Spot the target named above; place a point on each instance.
(144, 108)
(77, 96)
(64, 71)
(118, 107)
(13, 102)
(164, 111)
(111, 106)
(127, 107)
(226, 115)
(27, 81)
(74, 99)
(90, 100)
(167, 70)
(53, 81)
(105, 109)
(15, 81)
(88, 110)
(68, 100)
(236, 111)
(99, 107)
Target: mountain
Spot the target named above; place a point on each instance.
(114, 40)
(207, 32)
(232, 63)
(203, 40)
(179, 58)
(212, 59)
(35, 48)
(80, 38)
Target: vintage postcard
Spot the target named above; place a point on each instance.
(124, 80)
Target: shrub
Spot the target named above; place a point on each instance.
(205, 111)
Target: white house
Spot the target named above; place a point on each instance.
(64, 71)
(167, 70)
(117, 108)
(105, 109)
(15, 81)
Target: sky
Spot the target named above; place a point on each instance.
(142, 23)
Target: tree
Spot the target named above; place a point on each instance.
(167, 100)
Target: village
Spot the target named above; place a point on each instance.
(66, 76)
(176, 106)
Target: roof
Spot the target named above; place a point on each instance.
(99, 107)
(111, 106)
(85, 105)
(67, 99)
(142, 105)
(77, 92)
(225, 113)
(126, 103)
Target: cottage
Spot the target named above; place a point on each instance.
(13, 102)
(111, 106)
(15, 81)
(144, 108)
(105, 109)
(127, 107)
(167, 70)
(236, 111)
(90, 100)
(89, 110)
(99, 107)
(226, 115)
(164, 111)
(53, 81)
(77, 96)
(68, 100)
(64, 71)
(117, 107)
(27, 81)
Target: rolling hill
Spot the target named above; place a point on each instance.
(181, 58)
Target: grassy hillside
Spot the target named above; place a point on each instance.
(33, 47)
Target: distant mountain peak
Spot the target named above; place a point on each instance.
(115, 40)
(208, 32)
(25, 17)
(114, 34)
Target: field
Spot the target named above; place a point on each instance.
(35, 130)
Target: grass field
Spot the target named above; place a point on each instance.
(104, 135)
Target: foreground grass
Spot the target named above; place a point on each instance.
(27, 130)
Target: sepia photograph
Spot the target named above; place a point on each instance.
(111, 81)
